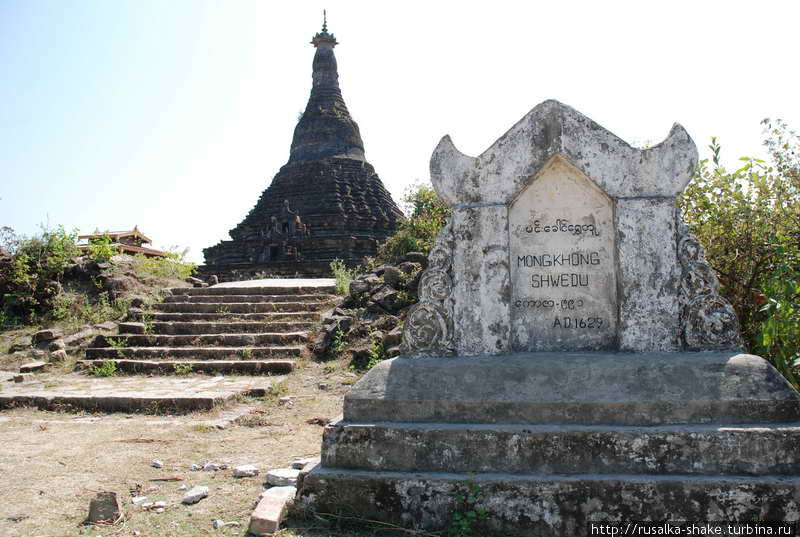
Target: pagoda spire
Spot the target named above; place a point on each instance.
(325, 129)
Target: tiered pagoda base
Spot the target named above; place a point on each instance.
(312, 213)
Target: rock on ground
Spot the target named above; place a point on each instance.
(299, 464)
(281, 477)
(104, 507)
(195, 495)
(48, 334)
(246, 470)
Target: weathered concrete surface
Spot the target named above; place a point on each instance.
(563, 449)
(576, 388)
(559, 168)
(548, 505)
(649, 275)
(551, 128)
(482, 290)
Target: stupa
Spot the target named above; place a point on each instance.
(325, 203)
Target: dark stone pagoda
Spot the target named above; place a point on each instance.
(326, 203)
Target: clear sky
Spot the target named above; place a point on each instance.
(175, 114)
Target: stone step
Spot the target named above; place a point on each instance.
(225, 317)
(233, 327)
(239, 307)
(134, 393)
(271, 290)
(232, 299)
(222, 340)
(241, 367)
(547, 504)
(565, 449)
(194, 353)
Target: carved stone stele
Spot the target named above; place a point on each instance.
(565, 238)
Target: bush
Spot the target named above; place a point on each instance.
(426, 215)
(100, 249)
(30, 276)
(748, 220)
(172, 266)
(343, 276)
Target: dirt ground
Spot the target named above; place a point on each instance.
(53, 463)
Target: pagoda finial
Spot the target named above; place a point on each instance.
(324, 36)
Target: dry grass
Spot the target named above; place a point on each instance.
(53, 463)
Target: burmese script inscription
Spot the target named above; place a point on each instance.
(561, 237)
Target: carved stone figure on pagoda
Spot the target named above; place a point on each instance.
(325, 203)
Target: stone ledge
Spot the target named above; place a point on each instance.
(566, 449)
(576, 388)
(548, 505)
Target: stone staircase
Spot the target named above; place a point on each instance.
(220, 329)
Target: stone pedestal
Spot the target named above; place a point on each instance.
(570, 356)
(556, 440)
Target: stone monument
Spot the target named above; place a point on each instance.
(326, 203)
(570, 359)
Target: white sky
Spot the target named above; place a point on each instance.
(176, 115)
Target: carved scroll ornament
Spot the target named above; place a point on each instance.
(428, 329)
(708, 321)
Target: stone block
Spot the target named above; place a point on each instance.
(551, 505)
(79, 338)
(105, 507)
(33, 367)
(358, 287)
(48, 334)
(194, 495)
(407, 267)
(132, 328)
(391, 275)
(138, 302)
(387, 298)
(737, 450)
(56, 345)
(393, 337)
(299, 464)
(247, 470)
(281, 477)
(575, 388)
(272, 506)
(21, 344)
(416, 257)
(58, 356)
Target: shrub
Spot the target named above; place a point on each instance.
(101, 250)
(30, 276)
(748, 220)
(426, 213)
(343, 276)
(172, 266)
(78, 308)
(107, 368)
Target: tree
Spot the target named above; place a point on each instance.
(748, 220)
(426, 215)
